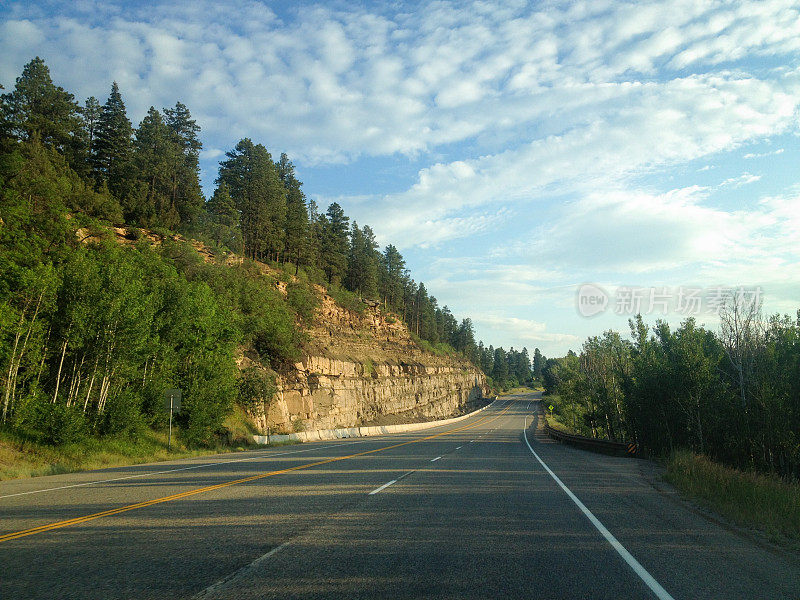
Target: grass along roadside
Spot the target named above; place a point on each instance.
(21, 458)
(753, 500)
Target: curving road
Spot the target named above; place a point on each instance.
(479, 509)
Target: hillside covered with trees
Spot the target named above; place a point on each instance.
(93, 331)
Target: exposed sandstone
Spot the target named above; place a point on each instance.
(366, 369)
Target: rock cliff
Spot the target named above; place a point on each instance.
(364, 369)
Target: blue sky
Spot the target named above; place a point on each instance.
(513, 151)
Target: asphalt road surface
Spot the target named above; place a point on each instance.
(483, 508)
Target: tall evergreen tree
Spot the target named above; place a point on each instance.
(36, 107)
(91, 114)
(314, 236)
(362, 263)
(392, 276)
(296, 240)
(224, 219)
(186, 131)
(156, 158)
(538, 363)
(254, 185)
(186, 193)
(487, 359)
(449, 327)
(499, 366)
(335, 243)
(112, 151)
(466, 341)
(424, 315)
(523, 366)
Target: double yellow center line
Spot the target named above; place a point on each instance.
(115, 511)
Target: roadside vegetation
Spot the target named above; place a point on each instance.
(732, 395)
(750, 499)
(21, 457)
(94, 328)
(720, 408)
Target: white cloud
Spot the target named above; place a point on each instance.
(650, 126)
(743, 179)
(671, 237)
(330, 85)
(525, 330)
(511, 108)
(750, 155)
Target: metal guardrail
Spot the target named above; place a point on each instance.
(593, 444)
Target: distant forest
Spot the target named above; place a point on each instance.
(91, 334)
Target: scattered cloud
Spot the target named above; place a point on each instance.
(330, 85)
(527, 331)
(750, 155)
(743, 179)
(554, 125)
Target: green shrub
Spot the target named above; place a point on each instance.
(256, 387)
(58, 424)
(123, 415)
(303, 300)
(347, 299)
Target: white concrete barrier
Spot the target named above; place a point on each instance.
(351, 432)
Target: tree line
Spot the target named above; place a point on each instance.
(732, 394)
(92, 333)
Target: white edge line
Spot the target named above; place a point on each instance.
(383, 487)
(634, 564)
(221, 462)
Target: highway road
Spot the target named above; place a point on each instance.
(484, 508)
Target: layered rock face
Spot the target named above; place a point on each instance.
(363, 369)
(327, 393)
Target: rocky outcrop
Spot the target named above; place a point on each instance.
(365, 368)
(328, 393)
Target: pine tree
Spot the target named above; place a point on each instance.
(392, 276)
(524, 366)
(538, 363)
(260, 197)
(156, 158)
(296, 240)
(112, 151)
(335, 243)
(421, 306)
(466, 340)
(362, 263)
(224, 219)
(37, 108)
(449, 327)
(499, 366)
(314, 237)
(186, 193)
(91, 114)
